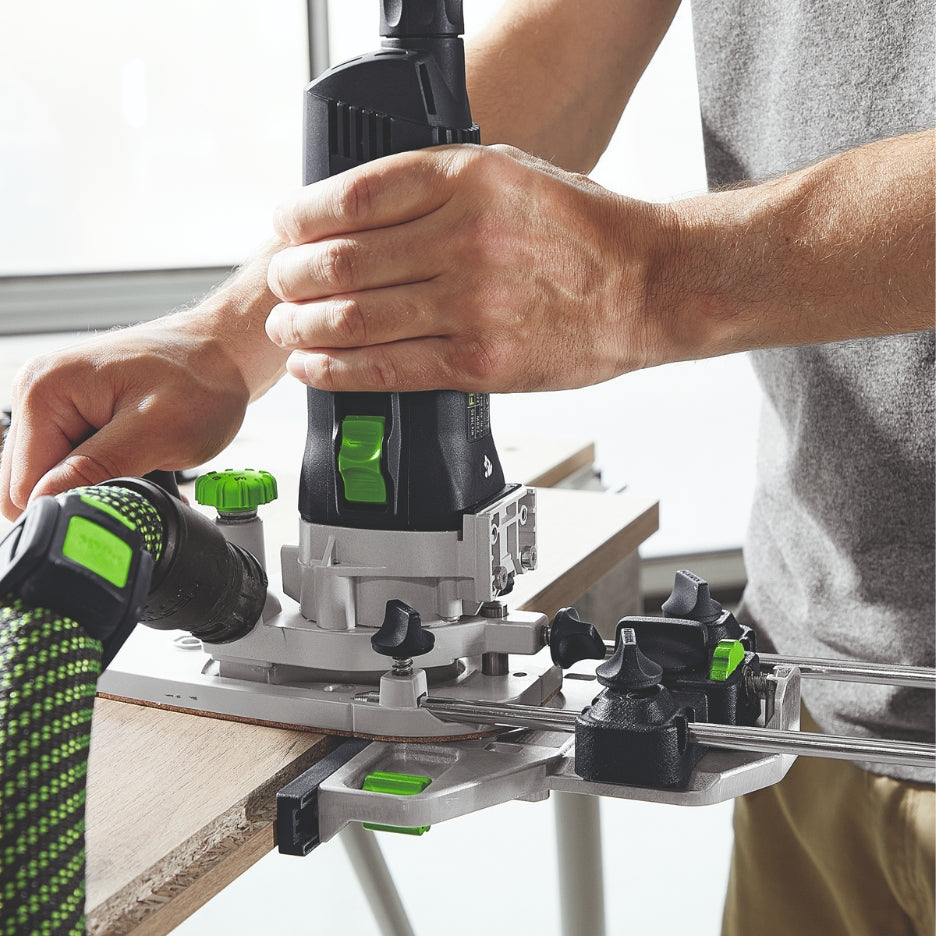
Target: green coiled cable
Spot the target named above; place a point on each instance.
(48, 673)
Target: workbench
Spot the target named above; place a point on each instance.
(161, 839)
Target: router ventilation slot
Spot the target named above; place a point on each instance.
(357, 133)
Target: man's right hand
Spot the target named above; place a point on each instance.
(162, 395)
(168, 394)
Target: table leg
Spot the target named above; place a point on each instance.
(581, 878)
(375, 880)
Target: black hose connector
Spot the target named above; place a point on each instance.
(201, 583)
(75, 558)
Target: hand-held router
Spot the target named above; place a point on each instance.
(409, 539)
(402, 461)
(409, 536)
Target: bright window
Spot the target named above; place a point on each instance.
(138, 134)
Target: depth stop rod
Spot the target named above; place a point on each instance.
(887, 674)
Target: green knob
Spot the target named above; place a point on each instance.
(232, 491)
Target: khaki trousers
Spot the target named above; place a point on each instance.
(832, 850)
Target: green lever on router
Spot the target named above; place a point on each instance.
(728, 655)
(359, 459)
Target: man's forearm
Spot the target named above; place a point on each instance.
(552, 77)
(842, 249)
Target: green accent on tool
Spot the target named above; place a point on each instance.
(359, 459)
(395, 784)
(109, 510)
(97, 549)
(231, 491)
(727, 657)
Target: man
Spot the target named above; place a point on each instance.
(490, 269)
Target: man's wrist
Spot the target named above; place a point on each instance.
(235, 315)
(838, 250)
(680, 311)
(709, 238)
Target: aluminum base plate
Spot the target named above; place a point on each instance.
(169, 669)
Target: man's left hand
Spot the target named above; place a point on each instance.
(466, 268)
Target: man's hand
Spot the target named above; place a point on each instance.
(166, 395)
(463, 268)
(122, 404)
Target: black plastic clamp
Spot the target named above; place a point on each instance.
(297, 815)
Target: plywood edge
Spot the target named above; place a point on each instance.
(188, 877)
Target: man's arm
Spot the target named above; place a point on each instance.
(168, 394)
(484, 269)
(841, 249)
(553, 77)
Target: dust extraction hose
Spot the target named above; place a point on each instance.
(49, 665)
(76, 574)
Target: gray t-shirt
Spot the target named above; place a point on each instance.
(840, 547)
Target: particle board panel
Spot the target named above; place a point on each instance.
(179, 806)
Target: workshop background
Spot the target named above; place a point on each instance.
(143, 146)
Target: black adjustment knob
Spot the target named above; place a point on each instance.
(628, 669)
(691, 599)
(401, 634)
(572, 639)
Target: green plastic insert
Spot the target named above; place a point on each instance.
(98, 550)
(359, 459)
(727, 657)
(395, 784)
(231, 491)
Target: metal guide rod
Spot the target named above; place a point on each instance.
(890, 674)
(887, 674)
(810, 744)
(733, 737)
(496, 713)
